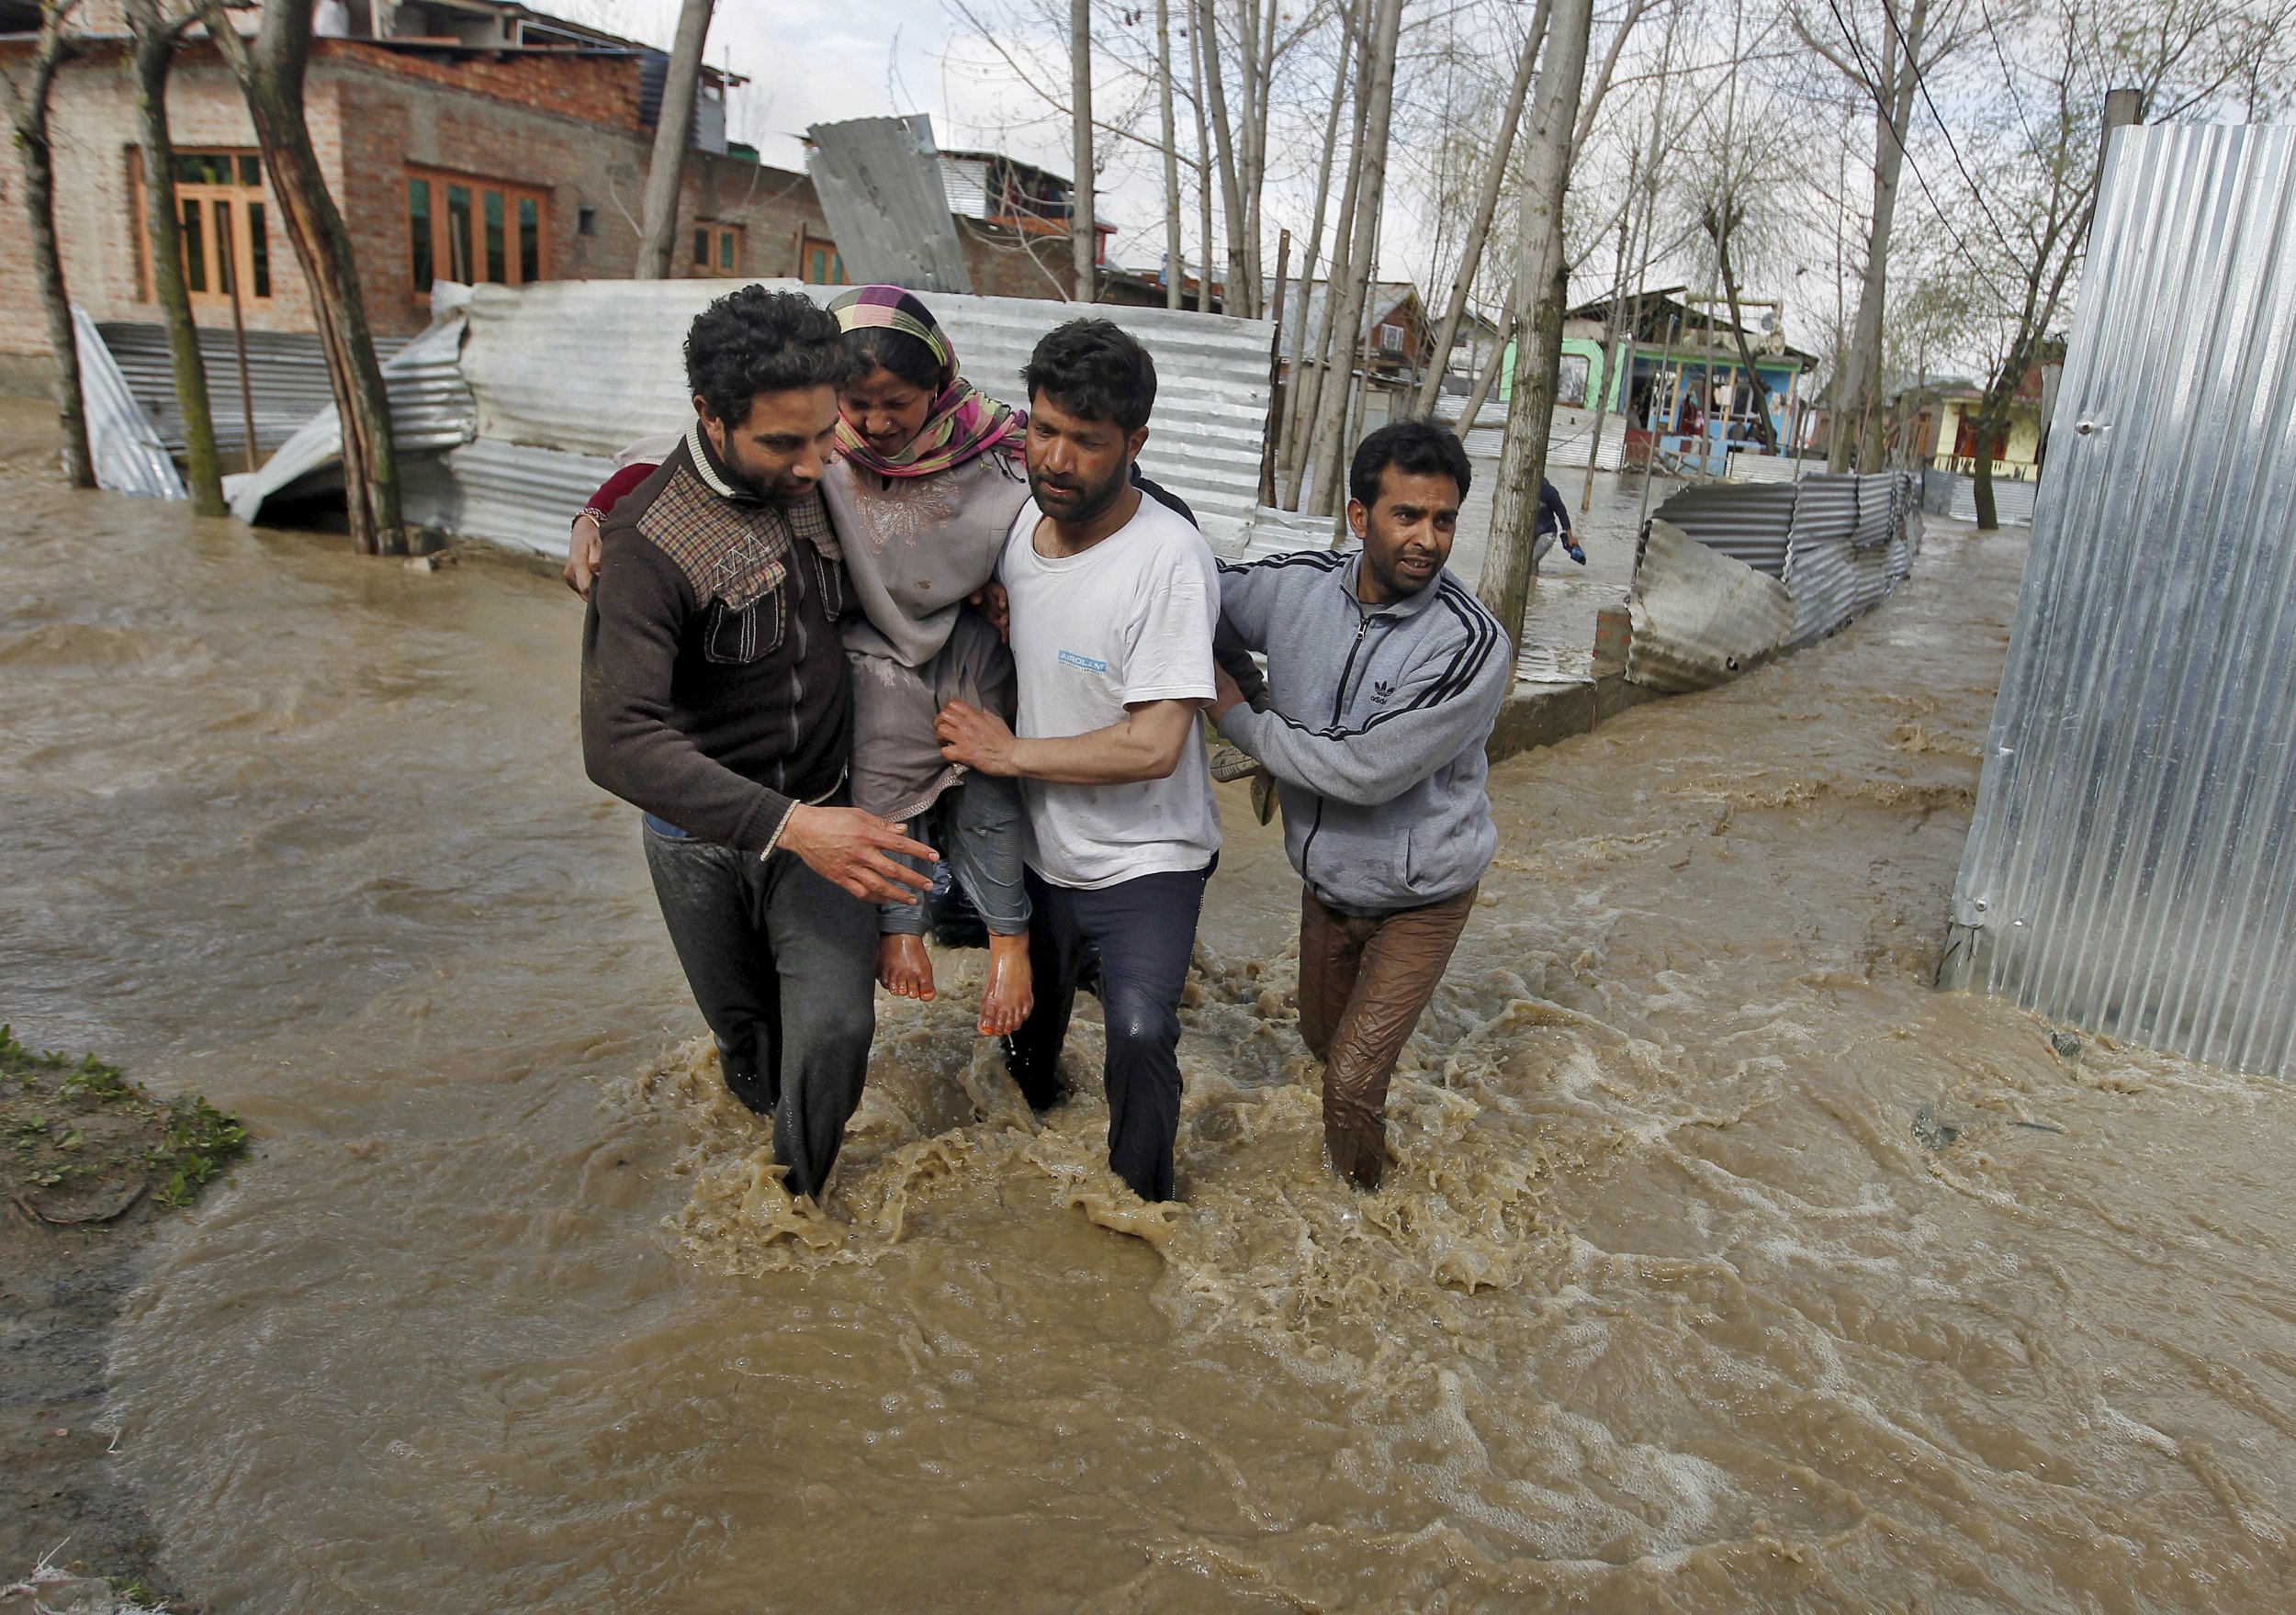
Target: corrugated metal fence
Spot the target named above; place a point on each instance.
(286, 372)
(1838, 543)
(2132, 863)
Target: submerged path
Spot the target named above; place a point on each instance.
(1724, 1264)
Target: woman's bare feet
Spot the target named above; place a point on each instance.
(1012, 991)
(904, 967)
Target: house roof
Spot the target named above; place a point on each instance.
(1668, 316)
(1386, 296)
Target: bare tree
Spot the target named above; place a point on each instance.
(1885, 69)
(1238, 300)
(156, 35)
(1295, 392)
(673, 130)
(270, 70)
(1329, 349)
(1343, 300)
(1505, 585)
(1486, 205)
(27, 114)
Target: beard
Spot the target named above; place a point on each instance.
(1076, 502)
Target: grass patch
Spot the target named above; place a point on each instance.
(81, 1142)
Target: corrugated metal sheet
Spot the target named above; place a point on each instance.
(287, 371)
(2132, 863)
(1748, 524)
(1818, 567)
(129, 455)
(879, 184)
(430, 409)
(505, 493)
(1700, 617)
(625, 378)
(2013, 501)
(964, 180)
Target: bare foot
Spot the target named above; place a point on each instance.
(904, 967)
(1012, 991)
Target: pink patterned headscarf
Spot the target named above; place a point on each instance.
(963, 421)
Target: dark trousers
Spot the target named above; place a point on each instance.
(1363, 981)
(783, 966)
(1143, 931)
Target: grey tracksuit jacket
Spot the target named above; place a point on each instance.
(1373, 727)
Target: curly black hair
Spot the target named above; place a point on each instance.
(754, 341)
(1419, 446)
(1092, 369)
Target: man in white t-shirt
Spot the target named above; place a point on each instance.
(1114, 599)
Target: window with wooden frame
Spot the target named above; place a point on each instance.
(463, 229)
(819, 264)
(716, 249)
(224, 223)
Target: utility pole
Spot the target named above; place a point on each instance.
(673, 128)
(1082, 240)
(1505, 585)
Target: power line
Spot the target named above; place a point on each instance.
(1921, 83)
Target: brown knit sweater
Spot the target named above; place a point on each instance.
(714, 681)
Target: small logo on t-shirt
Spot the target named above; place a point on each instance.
(1381, 691)
(1071, 660)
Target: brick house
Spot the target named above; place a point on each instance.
(464, 140)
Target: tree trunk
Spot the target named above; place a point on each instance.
(1343, 250)
(1203, 165)
(1083, 241)
(28, 112)
(1479, 394)
(1223, 142)
(1504, 586)
(1174, 261)
(155, 38)
(1346, 318)
(1298, 382)
(1981, 480)
(1256, 162)
(1486, 205)
(673, 130)
(270, 74)
(1610, 332)
(1723, 229)
(1858, 389)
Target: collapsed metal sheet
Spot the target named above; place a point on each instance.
(431, 410)
(121, 439)
(879, 184)
(1700, 617)
(2130, 865)
(534, 384)
(287, 374)
(1746, 523)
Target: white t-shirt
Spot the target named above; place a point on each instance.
(1130, 619)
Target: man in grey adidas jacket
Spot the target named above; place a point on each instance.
(1384, 677)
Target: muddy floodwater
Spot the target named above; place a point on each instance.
(1724, 1266)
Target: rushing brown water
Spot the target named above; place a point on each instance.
(1668, 1304)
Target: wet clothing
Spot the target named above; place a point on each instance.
(976, 829)
(1363, 982)
(715, 691)
(714, 698)
(1373, 727)
(1143, 932)
(783, 965)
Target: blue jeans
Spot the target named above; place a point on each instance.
(975, 827)
(1145, 932)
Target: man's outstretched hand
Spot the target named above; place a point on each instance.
(847, 847)
(585, 552)
(977, 739)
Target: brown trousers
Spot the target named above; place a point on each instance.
(1362, 984)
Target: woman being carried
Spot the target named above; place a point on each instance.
(928, 479)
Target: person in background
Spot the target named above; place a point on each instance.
(1554, 525)
(1384, 677)
(926, 480)
(1113, 597)
(715, 699)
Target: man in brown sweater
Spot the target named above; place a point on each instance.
(715, 700)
